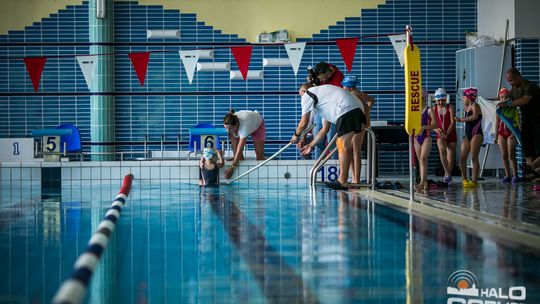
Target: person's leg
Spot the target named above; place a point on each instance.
(259, 149)
(476, 142)
(441, 144)
(357, 141)
(344, 153)
(504, 154)
(319, 147)
(535, 164)
(451, 154)
(418, 151)
(511, 144)
(423, 159)
(329, 137)
(259, 137)
(463, 159)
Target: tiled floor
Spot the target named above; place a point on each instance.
(516, 203)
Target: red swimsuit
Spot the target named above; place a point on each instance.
(444, 122)
(503, 130)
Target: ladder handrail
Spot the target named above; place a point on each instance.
(371, 154)
(372, 141)
(323, 158)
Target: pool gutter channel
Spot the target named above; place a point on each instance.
(501, 228)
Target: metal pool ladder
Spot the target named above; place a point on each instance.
(371, 151)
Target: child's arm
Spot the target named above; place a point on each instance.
(433, 125)
(497, 123)
(452, 126)
(220, 162)
(201, 164)
(475, 112)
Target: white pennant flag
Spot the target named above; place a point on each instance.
(295, 52)
(190, 59)
(399, 42)
(88, 68)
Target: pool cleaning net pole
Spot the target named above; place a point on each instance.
(302, 134)
(73, 290)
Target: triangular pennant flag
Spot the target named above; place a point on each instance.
(88, 67)
(140, 63)
(242, 55)
(347, 47)
(295, 52)
(190, 59)
(399, 42)
(34, 66)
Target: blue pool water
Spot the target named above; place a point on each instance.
(247, 243)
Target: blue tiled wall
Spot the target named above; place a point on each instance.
(438, 29)
(527, 58)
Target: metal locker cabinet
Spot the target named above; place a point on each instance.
(480, 67)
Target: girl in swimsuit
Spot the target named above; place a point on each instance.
(507, 144)
(446, 132)
(473, 137)
(422, 142)
(209, 164)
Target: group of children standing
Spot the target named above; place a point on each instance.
(442, 119)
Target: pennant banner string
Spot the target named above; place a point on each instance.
(206, 43)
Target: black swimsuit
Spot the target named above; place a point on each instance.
(474, 127)
(209, 177)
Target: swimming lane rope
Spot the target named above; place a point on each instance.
(73, 290)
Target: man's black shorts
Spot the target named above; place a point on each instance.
(350, 122)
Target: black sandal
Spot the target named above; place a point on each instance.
(336, 185)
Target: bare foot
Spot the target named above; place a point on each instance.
(343, 184)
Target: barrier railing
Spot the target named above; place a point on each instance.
(73, 290)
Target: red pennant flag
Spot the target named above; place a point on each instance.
(347, 47)
(140, 63)
(242, 55)
(34, 66)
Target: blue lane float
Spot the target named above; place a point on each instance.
(73, 290)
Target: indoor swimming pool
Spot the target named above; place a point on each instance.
(246, 243)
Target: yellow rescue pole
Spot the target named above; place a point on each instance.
(413, 99)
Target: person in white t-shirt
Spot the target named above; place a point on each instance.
(338, 106)
(240, 125)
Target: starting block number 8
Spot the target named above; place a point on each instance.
(208, 141)
(329, 173)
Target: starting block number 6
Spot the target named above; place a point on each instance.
(208, 141)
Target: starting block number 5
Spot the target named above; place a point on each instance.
(51, 143)
(208, 141)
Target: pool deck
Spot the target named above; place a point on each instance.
(510, 211)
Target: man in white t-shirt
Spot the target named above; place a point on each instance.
(338, 106)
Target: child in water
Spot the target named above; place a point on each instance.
(209, 166)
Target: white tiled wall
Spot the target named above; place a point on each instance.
(76, 173)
